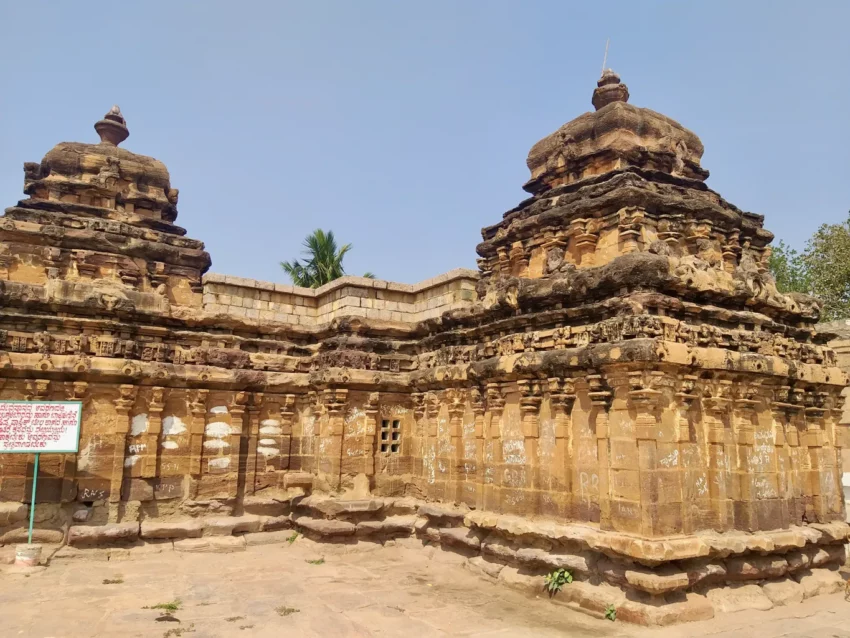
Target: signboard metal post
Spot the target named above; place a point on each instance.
(32, 500)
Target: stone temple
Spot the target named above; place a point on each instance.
(619, 390)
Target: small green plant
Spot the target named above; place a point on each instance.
(234, 618)
(246, 626)
(318, 561)
(557, 579)
(293, 538)
(168, 608)
(179, 631)
(286, 611)
(611, 613)
(113, 581)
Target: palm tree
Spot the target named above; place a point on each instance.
(323, 261)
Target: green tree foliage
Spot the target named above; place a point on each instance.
(789, 269)
(822, 269)
(322, 263)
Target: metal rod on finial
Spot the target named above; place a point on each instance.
(605, 59)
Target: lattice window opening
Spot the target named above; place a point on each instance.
(390, 436)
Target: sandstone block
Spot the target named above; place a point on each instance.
(784, 592)
(39, 535)
(819, 581)
(326, 527)
(268, 538)
(298, 479)
(102, 534)
(392, 525)
(271, 523)
(211, 544)
(693, 608)
(829, 554)
(265, 506)
(797, 561)
(400, 506)
(227, 525)
(12, 512)
(531, 556)
(460, 536)
(334, 508)
(452, 515)
(704, 570)
(657, 582)
(755, 567)
(594, 598)
(482, 566)
(739, 597)
(494, 545)
(191, 528)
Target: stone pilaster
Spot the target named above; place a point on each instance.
(371, 445)
(531, 396)
(156, 404)
(123, 409)
(329, 454)
(253, 410)
(237, 410)
(455, 400)
(696, 501)
(79, 391)
(562, 397)
(597, 498)
(744, 406)
(198, 411)
(475, 469)
(493, 454)
(819, 476)
(715, 410)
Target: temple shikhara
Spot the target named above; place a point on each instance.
(619, 390)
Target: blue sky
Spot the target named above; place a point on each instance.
(404, 126)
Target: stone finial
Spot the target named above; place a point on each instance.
(609, 89)
(112, 128)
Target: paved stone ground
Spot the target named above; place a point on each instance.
(273, 590)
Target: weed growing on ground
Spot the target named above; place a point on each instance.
(246, 626)
(318, 561)
(611, 613)
(113, 581)
(286, 611)
(557, 579)
(168, 608)
(293, 538)
(234, 618)
(179, 631)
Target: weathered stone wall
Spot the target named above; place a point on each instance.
(841, 344)
(347, 296)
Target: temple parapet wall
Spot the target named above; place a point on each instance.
(344, 297)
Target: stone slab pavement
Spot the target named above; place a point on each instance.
(274, 590)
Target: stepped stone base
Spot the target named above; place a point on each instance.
(649, 581)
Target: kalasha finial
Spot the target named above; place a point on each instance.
(609, 89)
(112, 128)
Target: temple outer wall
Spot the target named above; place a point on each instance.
(841, 345)
(346, 296)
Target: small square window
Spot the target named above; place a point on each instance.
(390, 436)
